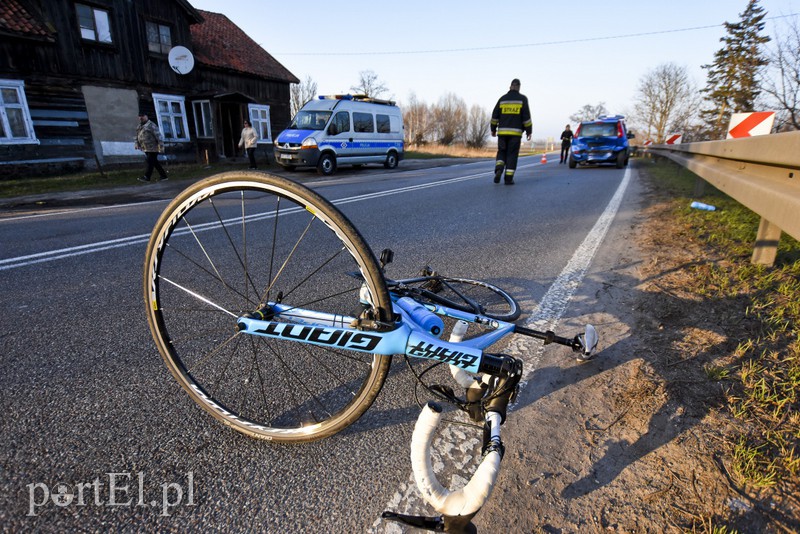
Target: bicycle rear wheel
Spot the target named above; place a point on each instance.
(223, 248)
(457, 293)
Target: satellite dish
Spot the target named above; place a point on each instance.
(181, 60)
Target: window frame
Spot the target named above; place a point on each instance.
(158, 26)
(254, 111)
(359, 121)
(200, 119)
(161, 118)
(95, 29)
(27, 121)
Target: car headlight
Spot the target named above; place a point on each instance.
(308, 142)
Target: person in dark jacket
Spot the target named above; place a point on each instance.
(148, 140)
(511, 116)
(566, 141)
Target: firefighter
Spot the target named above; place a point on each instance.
(511, 116)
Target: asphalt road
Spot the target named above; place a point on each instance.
(96, 434)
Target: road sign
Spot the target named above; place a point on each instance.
(673, 139)
(749, 124)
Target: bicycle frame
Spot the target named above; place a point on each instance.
(407, 338)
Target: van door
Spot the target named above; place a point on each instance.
(339, 136)
(364, 136)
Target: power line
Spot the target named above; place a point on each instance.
(505, 47)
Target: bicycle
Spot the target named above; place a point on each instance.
(271, 311)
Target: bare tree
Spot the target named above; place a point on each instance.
(783, 80)
(589, 112)
(302, 92)
(666, 101)
(417, 120)
(477, 127)
(450, 116)
(369, 84)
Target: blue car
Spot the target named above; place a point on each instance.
(603, 140)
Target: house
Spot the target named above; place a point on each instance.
(74, 75)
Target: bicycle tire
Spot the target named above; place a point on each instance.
(495, 302)
(224, 246)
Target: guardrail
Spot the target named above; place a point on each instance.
(762, 173)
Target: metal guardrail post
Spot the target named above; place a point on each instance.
(762, 173)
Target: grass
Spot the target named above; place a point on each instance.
(765, 393)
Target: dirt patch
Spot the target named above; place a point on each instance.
(638, 441)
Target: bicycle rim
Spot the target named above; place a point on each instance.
(495, 302)
(222, 248)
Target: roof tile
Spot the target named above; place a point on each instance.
(218, 42)
(15, 19)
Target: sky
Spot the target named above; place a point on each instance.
(566, 54)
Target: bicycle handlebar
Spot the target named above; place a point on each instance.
(468, 500)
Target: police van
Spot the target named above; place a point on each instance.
(342, 129)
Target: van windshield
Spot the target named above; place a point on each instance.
(310, 120)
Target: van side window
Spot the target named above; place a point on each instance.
(362, 122)
(383, 122)
(342, 122)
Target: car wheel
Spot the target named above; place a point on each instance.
(326, 165)
(572, 163)
(622, 157)
(391, 160)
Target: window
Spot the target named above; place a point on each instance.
(384, 125)
(259, 118)
(16, 126)
(202, 118)
(159, 38)
(94, 23)
(362, 122)
(341, 121)
(171, 115)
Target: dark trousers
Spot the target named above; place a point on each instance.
(507, 155)
(152, 163)
(251, 153)
(564, 152)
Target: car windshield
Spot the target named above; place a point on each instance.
(310, 120)
(598, 129)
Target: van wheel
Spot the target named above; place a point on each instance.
(326, 165)
(391, 160)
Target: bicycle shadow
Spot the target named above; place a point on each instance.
(660, 326)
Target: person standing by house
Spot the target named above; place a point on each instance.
(510, 117)
(566, 141)
(148, 140)
(249, 141)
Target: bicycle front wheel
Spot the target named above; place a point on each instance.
(227, 246)
(462, 293)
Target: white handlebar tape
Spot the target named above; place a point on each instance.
(465, 501)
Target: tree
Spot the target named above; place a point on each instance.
(302, 92)
(477, 127)
(784, 85)
(450, 119)
(733, 77)
(369, 85)
(417, 120)
(666, 101)
(589, 112)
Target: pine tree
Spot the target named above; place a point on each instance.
(734, 77)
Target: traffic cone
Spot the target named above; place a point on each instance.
(544, 157)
